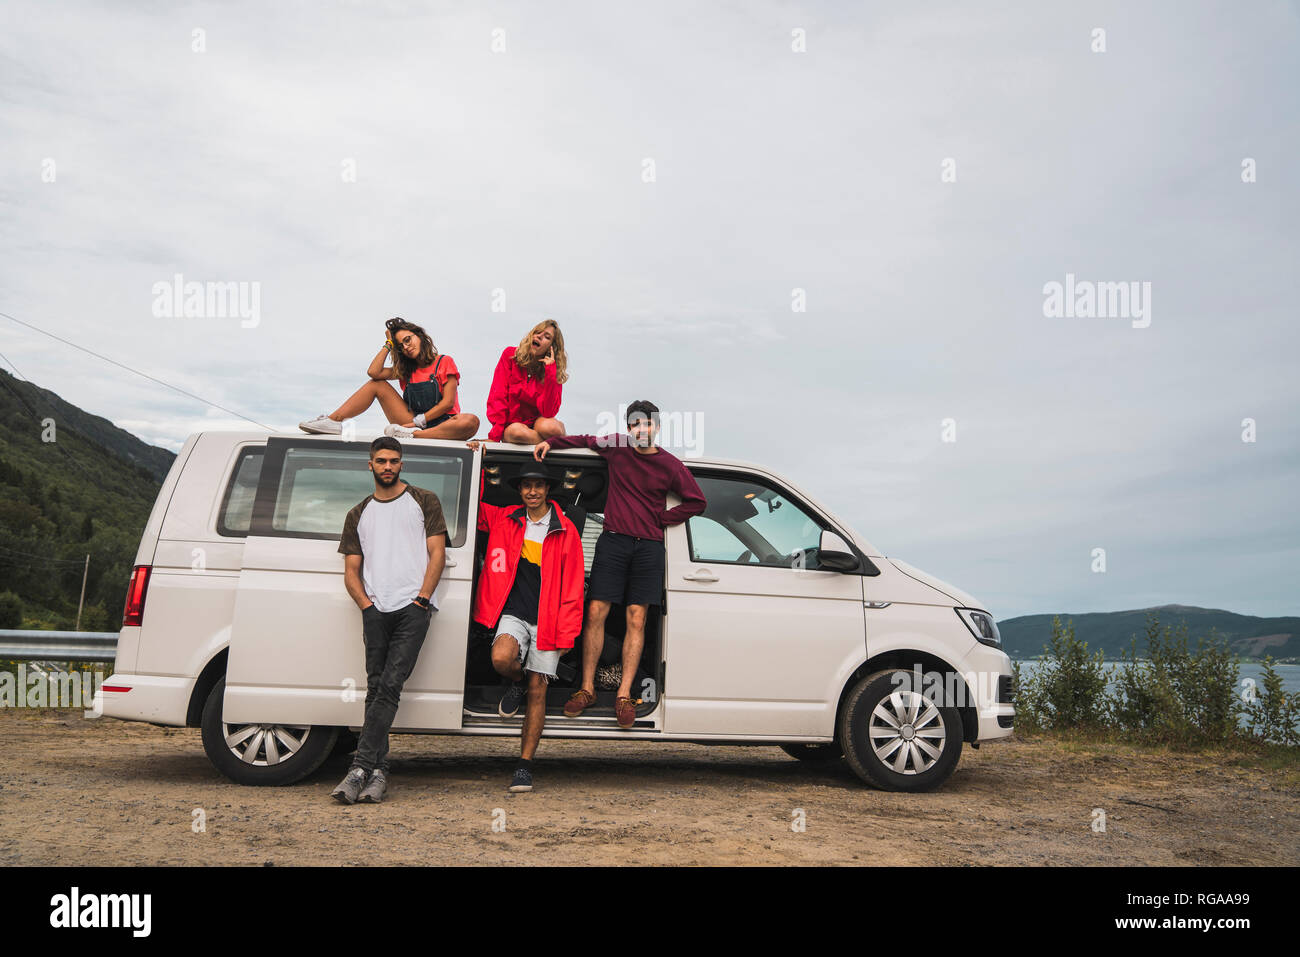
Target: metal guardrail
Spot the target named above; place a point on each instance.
(58, 645)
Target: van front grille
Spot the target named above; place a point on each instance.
(1006, 689)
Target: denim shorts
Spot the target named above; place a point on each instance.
(541, 662)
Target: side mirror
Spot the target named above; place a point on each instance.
(833, 553)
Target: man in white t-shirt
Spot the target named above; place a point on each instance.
(394, 548)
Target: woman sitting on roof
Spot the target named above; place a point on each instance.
(427, 407)
(527, 386)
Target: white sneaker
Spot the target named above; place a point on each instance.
(398, 431)
(322, 425)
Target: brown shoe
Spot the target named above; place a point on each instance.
(625, 712)
(578, 702)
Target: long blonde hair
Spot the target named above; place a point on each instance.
(524, 354)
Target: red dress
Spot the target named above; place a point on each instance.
(517, 397)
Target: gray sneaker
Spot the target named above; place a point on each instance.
(376, 788)
(322, 425)
(350, 786)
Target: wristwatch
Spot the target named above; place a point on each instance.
(421, 601)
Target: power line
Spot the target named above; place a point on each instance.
(143, 375)
(41, 558)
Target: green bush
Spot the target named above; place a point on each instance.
(1067, 689)
(1167, 692)
(1175, 694)
(1273, 715)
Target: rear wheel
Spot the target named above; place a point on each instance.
(897, 739)
(814, 753)
(262, 754)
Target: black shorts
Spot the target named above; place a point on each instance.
(627, 570)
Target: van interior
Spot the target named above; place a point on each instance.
(579, 487)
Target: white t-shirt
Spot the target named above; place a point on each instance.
(390, 538)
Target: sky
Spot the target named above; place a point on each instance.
(825, 234)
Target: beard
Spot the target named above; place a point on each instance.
(387, 480)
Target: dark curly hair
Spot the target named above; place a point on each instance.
(401, 361)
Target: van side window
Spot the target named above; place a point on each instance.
(236, 513)
(750, 523)
(319, 484)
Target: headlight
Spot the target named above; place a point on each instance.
(981, 625)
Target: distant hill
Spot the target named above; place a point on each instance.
(88, 492)
(68, 417)
(1112, 631)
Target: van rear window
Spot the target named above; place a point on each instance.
(318, 485)
(236, 513)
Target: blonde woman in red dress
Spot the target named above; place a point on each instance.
(527, 387)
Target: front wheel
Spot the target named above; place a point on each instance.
(262, 754)
(897, 739)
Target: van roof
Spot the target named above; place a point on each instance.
(236, 436)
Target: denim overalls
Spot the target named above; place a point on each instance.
(423, 396)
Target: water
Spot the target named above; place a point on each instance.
(1290, 674)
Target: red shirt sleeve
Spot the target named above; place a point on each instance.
(497, 403)
(577, 442)
(692, 496)
(446, 370)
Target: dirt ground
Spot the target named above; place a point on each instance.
(76, 791)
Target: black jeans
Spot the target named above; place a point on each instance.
(393, 641)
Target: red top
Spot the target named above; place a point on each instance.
(446, 369)
(639, 484)
(517, 397)
(559, 606)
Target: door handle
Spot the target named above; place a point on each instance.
(450, 563)
(876, 604)
(700, 575)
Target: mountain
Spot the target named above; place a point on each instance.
(1112, 631)
(89, 491)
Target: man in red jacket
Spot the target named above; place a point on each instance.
(530, 590)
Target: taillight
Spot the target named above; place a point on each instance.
(134, 610)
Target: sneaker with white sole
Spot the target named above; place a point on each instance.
(375, 788)
(399, 431)
(322, 425)
(350, 787)
(522, 781)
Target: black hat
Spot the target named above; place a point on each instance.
(530, 471)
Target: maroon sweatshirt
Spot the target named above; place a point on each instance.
(639, 484)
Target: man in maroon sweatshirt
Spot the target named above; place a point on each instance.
(628, 566)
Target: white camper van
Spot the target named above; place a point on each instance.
(779, 625)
